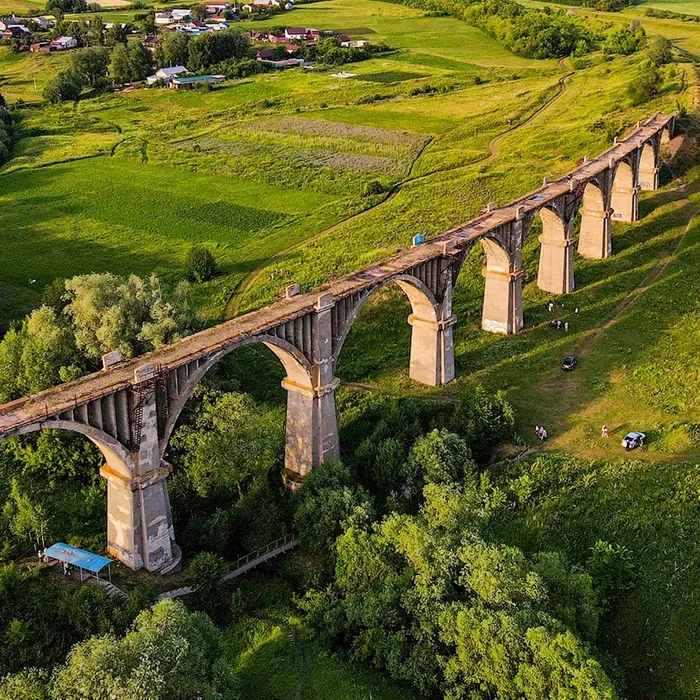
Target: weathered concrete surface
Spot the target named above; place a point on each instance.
(129, 409)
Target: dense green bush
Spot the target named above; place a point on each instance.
(200, 264)
(7, 131)
(646, 83)
(213, 47)
(170, 654)
(625, 41)
(39, 621)
(102, 312)
(532, 33)
(64, 86)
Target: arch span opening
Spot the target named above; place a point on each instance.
(378, 343)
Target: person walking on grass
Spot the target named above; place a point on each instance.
(566, 325)
(550, 307)
(604, 431)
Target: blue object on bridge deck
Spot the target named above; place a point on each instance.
(88, 561)
(418, 239)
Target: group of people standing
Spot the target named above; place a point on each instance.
(541, 432)
(555, 322)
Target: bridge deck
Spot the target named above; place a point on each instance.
(64, 397)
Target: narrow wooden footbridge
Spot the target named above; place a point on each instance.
(245, 564)
(129, 409)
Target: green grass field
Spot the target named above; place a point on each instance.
(685, 7)
(650, 508)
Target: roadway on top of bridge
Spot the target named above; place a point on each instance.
(207, 342)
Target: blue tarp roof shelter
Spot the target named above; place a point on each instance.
(79, 558)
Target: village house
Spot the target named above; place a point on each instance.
(163, 18)
(43, 23)
(298, 33)
(174, 16)
(152, 42)
(15, 31)
(63, 43)
(166, 74)
(192, 81)
(344, 41)
(42, 47)
(215, 8)
(257, 4)
(264, 55)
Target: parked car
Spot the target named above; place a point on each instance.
(569, 363)
(632, 440)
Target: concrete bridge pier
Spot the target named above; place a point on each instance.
(139, 521)
(312, 424)
(595, 237)
(311, 429)
(555, 273)
(649, 168)
(624, 204)
(623, 198)
(432, 350)
(503, 301)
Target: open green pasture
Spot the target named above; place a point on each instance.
(685, 7)
(23, 76)
(125, 216)
(544, 133)
(406, 28)
(275, 657)
(683, 35)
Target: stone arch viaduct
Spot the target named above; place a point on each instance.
(129, 409)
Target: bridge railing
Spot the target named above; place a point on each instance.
(261, 552)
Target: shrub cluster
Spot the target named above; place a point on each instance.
(433, 599)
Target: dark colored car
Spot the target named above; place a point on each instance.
(569, 363)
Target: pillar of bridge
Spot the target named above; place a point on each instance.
(649, 168)
(556, 268)
(312, 424)
(623, 200)
(595, 237)
(139, 521)
(503, 301)
(503, 288)
(432, 350)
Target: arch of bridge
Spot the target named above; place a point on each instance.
(424, 305)
(297, 367)
(116, 455)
